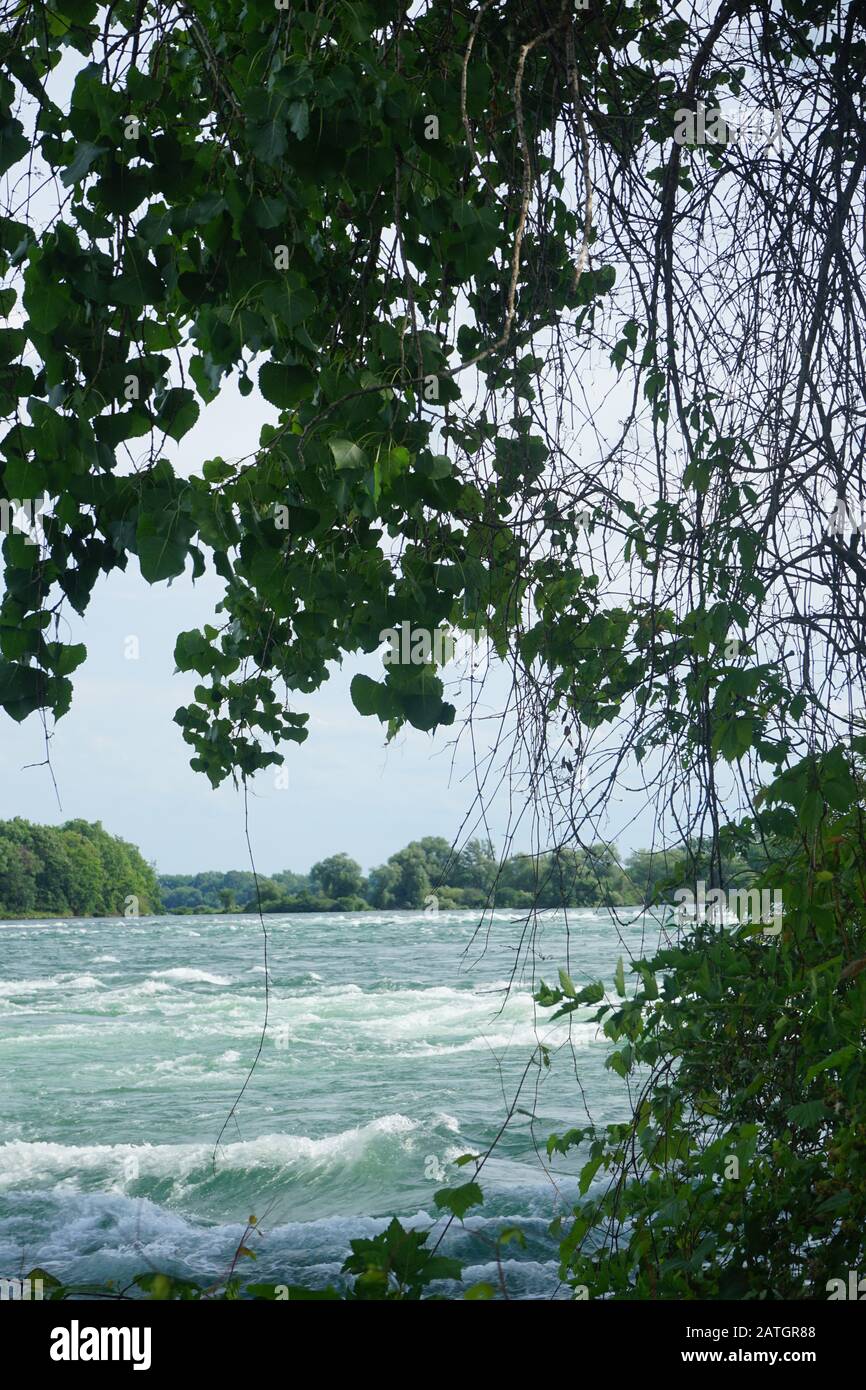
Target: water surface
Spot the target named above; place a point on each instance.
(396, 1042)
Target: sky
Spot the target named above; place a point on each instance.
(118, 757)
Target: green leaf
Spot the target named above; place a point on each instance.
(371, 697)
(286, 386)
(162, 548)
(649, 982)
(567, 984)
(435, 465)
(299, 119)
(618, 1062)
(458, 1200)
(589, 1170)
(266, 128)
(591, 994)
(24, 476)
(47, 305)
(619, 979)
(838, 1059)
(64, 659)
(138, 286)
(14, 144)
(840, 1201)
(808, 1114)
(513, 1233)
(346, 454)
(426, 710)
(21, 690)
(178, 412)
(290, 306)
(127, 424)
(86, 153)
(217, 470)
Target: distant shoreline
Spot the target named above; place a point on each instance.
(79, 870)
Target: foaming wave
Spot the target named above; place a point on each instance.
(186, 974)
(80, 1237)
(10, 988)
(32, 1164)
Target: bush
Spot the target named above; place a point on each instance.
(742, 1173)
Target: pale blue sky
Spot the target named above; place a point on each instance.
(118, 756)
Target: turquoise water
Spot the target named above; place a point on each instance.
(397, 1041)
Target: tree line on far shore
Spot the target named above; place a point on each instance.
(80, 870)
(431, 872)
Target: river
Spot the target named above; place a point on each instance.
(396, 1042)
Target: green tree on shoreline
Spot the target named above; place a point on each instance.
(76, 869)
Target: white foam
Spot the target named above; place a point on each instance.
(25, 1164)
(51, 982)
(190, 976)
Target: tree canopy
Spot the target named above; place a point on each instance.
(77, 869)
(400, 223)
